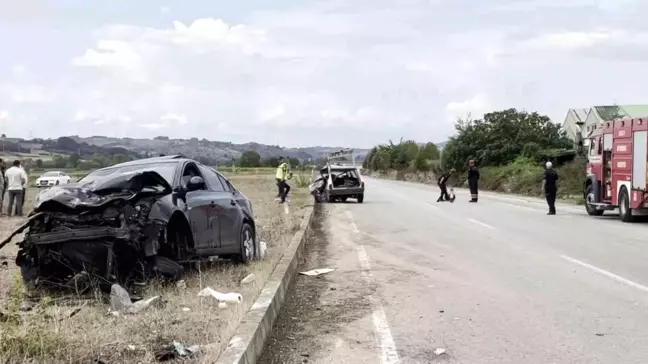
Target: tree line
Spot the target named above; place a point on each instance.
(497, 139)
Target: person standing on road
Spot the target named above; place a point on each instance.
(3, 183)
(550, 187)
(442, 185)
(16, 182)
(473, 180)
(281, 176)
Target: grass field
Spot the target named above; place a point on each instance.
(41, 329)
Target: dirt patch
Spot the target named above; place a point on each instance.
(78, 329)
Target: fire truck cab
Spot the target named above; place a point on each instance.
(617, 169)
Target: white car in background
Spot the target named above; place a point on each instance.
(53, 178)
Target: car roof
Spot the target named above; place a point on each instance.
(169, 159)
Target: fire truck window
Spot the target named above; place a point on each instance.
(593, 147)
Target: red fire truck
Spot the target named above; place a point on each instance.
(617, 170)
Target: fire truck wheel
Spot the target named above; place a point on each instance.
(624, 206)
(589, 196)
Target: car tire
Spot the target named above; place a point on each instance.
(343, 199)
(591, 210)
(168, 268)
(57, 182)
(361, 198)
(247, 245)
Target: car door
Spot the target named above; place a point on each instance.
(198, 209)
(232, 219)
(219, 202)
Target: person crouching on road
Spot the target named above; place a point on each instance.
(442, 186)
(283, 174)
(16, 183)
(473, 180)
(550, 187)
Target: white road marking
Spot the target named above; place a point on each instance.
(388, 352)
(480, 223)
(606, 273)
(352, 222)
(432, 206)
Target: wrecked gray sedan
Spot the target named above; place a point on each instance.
(135, 220)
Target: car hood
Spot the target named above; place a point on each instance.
(101, 191)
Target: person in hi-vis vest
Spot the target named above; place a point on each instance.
(283, 174)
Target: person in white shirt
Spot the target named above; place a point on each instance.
(16, 186)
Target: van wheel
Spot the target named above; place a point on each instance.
(361, 198)
(589, 197)
(625, 212)
(248, 245)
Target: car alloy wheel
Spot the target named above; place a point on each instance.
(248, 245)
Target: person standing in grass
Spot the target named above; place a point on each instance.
(16, 183)
(282, 175)
(3, 183)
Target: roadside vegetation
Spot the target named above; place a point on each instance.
(509, 146)
(39, 327)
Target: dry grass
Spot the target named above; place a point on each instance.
(47, 334)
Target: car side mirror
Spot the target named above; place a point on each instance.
(195, 183)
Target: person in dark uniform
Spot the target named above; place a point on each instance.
(473, 180)
(550, 187)
(442, 185)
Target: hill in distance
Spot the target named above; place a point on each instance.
(215, 152)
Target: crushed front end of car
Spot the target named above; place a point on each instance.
(103, 230)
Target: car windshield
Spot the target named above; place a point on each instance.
(166, 170)
(50, 174)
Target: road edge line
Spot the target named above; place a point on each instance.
(256, 325)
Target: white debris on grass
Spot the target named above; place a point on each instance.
(186, 309)
(181, 284)
(263, 250)
(439, 351)
(221, 297)
(222, 305)
(248, 279)
(120, 301)
(316, 272)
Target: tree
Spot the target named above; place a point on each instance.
(39, 163)
(271, 162)
(73, 160)
(294, 162)
(502, 136)
(421, 162)
(250, 158)
(366, 163)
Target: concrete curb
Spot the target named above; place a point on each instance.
(247, 343)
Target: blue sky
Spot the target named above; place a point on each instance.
(349, 73)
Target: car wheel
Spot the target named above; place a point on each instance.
(361, 198)
(57, 182)
(589, 197)
(343, 199)
(248, 245)
(168, 268)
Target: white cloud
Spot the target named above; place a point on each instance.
(332, 72)
(4, 115)
(474, 108)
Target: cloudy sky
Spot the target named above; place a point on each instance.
(309, 72)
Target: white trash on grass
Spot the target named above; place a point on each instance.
(316, 272)
(263, 249)
(231, 297)
(439, 351)
(248, 279)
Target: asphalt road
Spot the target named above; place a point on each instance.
(493, 282)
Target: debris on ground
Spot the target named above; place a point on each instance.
(263, 249)
(221, 297)
(248, 279)
(222, 305)
(176, 350)
(316, 272)
(439, 351)
(181, 284)
(120, 301)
